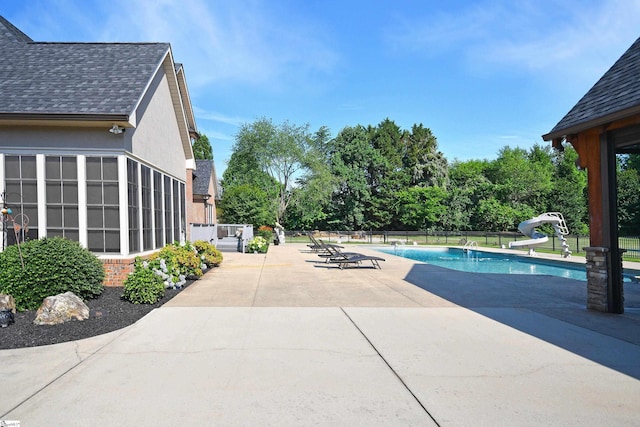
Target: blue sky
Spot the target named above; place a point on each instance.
(481, 74)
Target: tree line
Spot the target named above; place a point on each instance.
(386, 178)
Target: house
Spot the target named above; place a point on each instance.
(95, 146)
(205, 193)
(603, 123)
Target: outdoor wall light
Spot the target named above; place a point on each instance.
(116, 130)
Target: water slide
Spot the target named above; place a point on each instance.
(528, 228)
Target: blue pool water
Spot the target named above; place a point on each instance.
(485, 262)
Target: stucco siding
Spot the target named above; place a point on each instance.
(62, 139)
(156, 138)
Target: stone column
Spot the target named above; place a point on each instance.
(597, 275)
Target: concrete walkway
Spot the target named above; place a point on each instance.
(283, 339)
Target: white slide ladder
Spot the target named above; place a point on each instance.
(471, 244)
(561, 230)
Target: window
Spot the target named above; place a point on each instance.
(21, 197)
(103, 207)
(147, 237)
(168, 221)
(176, 212)
(183, 217)
(157, 208)
(61, 177)
(134, 206)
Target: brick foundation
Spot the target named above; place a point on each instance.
(117, 270)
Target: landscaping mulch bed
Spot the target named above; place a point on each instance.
(109, 312)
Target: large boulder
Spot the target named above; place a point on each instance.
(61, 308)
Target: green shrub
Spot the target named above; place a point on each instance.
(143, 285)
(51, 266)
(208, 253)
(180, 262)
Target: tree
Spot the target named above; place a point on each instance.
(421, 208)
(202, 148)
(350, 152)
(523, 178)
(629, 195)
(281, 152)
(423, 162)
(246, 204)
(569, 191)
(311, 196)
(468, 185)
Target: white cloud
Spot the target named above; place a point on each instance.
(238, 41)
(218, 117)
(576, 39)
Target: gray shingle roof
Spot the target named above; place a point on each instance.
(615, 96)
(74, 78)
(9, 33)
(202, 177)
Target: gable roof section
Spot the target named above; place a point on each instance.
(186, 99)
(202, 177)
(614, 97)
(85, 82)
(76, 79)
(9, 33)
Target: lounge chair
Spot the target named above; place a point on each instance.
(318, 245)
(333, 251)
(346, 259)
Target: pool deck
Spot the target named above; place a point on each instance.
(285, 339)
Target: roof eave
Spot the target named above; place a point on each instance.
(590, 124)
(67, 119)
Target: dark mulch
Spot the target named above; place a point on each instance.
(108, 312)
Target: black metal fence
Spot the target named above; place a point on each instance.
(488, 239)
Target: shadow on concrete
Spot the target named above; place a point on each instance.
(550, 308)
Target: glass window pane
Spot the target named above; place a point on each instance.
(29, 191)
(55, 232)
(94, 217)
(72, 235)
(53, 192)
(111, 193)
(54, 216)
(31, 212)
(28, 167)
(94, 193)
(112, 241)
(70, 193)
(94, 168)
(110, 168)
(12, 166)
(70, 217)
(52, 167)
(69, 168)
(94, 241)
(112, 217)
(13, 193)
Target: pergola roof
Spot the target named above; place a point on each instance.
(615, 96)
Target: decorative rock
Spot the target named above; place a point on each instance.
(60, 309)
(7, 303)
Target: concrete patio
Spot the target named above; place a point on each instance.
(285, 339)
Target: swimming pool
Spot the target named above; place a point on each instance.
(486, 262)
